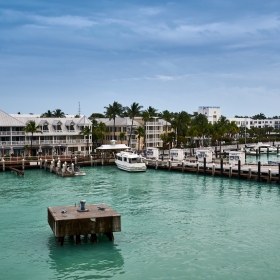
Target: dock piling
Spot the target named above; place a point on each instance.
(259, 171)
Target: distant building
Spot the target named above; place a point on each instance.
(60, 136)
(213, 113)
(153, 129)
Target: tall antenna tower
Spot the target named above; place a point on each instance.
(79, 112)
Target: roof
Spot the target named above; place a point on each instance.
(7, 120)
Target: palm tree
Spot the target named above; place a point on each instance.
(202, 125)
(132, 112)
(32, 128)
(152, 111)
(140, 132)
(192, 132)
(166, 115)
(112, 111)
(100, 131)
(86, 131)
(48, 114)
(57, 113)
(122, 135)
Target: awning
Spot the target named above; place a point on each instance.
(57, 147)
(113, 147)
(46, 147)
(18, 148)
(5, 148)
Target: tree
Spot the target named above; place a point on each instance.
(140, 132)
(100, 131)
(259, 116)
(152, 111)
(192, 132)
(86, 131)
(132, 112)
(145, 118)
(48, 114)
(32, 128)
(112, 111)
(166, 115)
(201, 123)
(96, 115)
(57, 113)
(122, 135)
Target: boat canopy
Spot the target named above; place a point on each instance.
(113, 147)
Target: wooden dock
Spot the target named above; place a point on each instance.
(68, 221)
(261, 173)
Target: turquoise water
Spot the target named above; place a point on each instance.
(174, 226)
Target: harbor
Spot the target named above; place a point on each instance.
(174, 223)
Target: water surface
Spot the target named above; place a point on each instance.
(174, 226)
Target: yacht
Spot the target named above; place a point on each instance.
(262, 147)
(130, 162)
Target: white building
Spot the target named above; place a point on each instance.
(60, 136)
(213, 113)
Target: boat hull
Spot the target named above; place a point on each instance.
(138, 167)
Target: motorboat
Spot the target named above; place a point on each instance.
(77, 171)
(131, 162)
(262, 148)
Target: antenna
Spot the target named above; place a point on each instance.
(79, 112)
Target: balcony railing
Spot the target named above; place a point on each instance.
(159, 123)
(45, 142)
(153, 132)
(154, 140)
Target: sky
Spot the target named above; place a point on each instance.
(171, 55)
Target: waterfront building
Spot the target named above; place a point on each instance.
(153, 129)
(60, 136)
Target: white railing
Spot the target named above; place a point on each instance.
(44, 142)
(159, 123)
(154, 140)
(5, 132)
(20, 133)
(152, 132)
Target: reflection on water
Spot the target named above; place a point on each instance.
(86, 261)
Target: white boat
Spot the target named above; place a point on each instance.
(262, 147)
(130, 162)
(77, 171)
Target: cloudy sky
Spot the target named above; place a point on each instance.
(174, 56)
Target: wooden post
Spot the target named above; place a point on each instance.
(40, 163)
(156, 164)
(213, 169)
(72, 168)
(267, 150)
(169, 164)
(230, 171)
(221, 167)
(110, 235)
(3, 164)
(259, 150)
(183, 166)
(197, 167)
(204, 166)
(94, 238)
(249, 173)
(278, 173)
(259, 171)
(23, 164)
(60, 241)
(75, 160)
(269, 175)
(216, 152)
(90, 160)
(239, 163)
(78, 239)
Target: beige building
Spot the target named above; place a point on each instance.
(60, 136)
(153, 128)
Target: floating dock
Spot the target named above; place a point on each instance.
(94, 219)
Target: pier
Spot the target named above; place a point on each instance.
(91, 220)
(267, 173)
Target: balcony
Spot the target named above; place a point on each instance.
(154, 132)
(159, 123)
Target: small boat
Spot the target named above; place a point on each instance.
(77, 171)
(262, 147)
(130, 162)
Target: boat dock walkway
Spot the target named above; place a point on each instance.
(257, 172)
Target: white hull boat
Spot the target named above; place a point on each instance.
(263, 148)
(130, 162)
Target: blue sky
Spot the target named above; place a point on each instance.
(174, 56)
